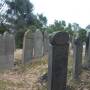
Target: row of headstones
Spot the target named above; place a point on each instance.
(79, 64)
(35, 45)
(58, 60)
(7, 48)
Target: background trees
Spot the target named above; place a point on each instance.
(16, 16)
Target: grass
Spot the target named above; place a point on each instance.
(26, 77)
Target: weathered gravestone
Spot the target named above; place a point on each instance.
(58, 60)
(28, 46)
(38, 44)
(86, 48)
(9, 48)
(77, 53)
(2, 52)
(46, 43)
(87, 53)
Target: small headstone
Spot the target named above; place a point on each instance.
(28, 47)
(38, 44)
(77, 65)
(58, 60)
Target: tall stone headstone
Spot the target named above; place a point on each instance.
(86, 48)
(38, 44)
(77, 53)
(9, 48)
(87, 53)
(28, 46)
(58, 60)
(2, 52)
(45, 42)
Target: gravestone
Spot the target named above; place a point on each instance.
(87, 53)
(28, 46)
(38, 44)
(2, 52)
(58, 60)
(46, 43)
(9, 48)
(77, 65)
(87, 45)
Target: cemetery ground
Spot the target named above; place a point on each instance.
(28, 77)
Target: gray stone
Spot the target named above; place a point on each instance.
(28, 46)
(58, 60)
(46, 42)
(87, 53)
(9, 48)
(2, 53)
(77, 65)
(38, 44)
(87, 45)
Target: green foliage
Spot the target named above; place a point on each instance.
(19, 14)
(82, 34)
(19, 38)
(69, 30)
(57, 26)
(60, 26)
(42, 19)
(2, 28)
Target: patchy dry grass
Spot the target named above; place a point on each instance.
(83, 83)
(26, 77)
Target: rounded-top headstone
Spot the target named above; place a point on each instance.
(0, 36)
(59, 38)
(6, 33)
(28, 34)
(38, 34)
(77, 41)
(45, 34)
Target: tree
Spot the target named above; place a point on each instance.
(42, 19)
(63, 24)
(19, 13)
(2, 18)
(69, 30)
(82, 34)
(57, 26)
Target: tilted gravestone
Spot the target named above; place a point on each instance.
(46, 43)
(58, 60)
(38, 44)
(28, 46)
(77, 53)
(9, 48)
